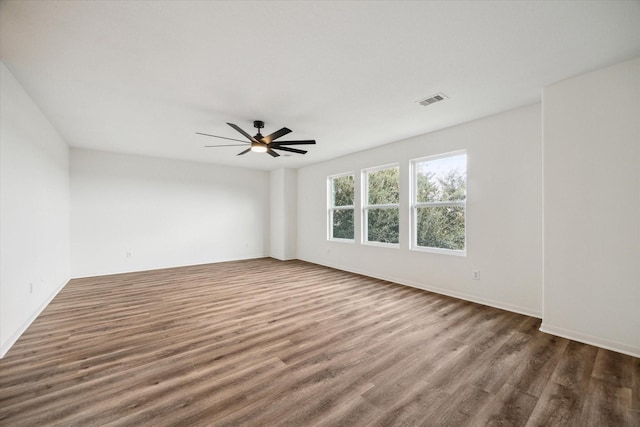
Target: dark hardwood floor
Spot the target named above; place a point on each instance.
(267, 343)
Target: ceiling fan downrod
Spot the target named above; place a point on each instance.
(258, 124)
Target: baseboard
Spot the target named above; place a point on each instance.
(427, 287)
(591, 340)
(214, 261)
(12, 340)
(282, 258)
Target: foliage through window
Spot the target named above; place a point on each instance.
(439, 202)
(341, 207)
(381, 205)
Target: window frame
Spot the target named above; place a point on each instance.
(331, 208)
(415, 205)
(366, 207)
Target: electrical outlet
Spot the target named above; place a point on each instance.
(31, 287)
(128, 254)
(475, 274)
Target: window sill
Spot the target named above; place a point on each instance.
(334, 239)
(383, 245)
(462, 253)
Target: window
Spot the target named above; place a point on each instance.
(381, 205)
(439, 203)
(341, 197)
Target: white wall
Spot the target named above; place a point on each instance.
(164, 213)
(592, 208)
(34, 210)
(283, 213)
(504, 214)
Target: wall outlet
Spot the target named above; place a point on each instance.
(31, 287)
(475, 274)
(128, 254)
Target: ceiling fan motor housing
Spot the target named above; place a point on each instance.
(259, 124)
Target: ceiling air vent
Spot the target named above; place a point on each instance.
(433, 99)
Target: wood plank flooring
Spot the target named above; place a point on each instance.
(271, 343)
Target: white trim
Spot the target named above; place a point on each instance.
(619, 347)
(435, 289)
(542, 214)
(442, 251)
(340, 175)
(381, 167)
(440, 204)
(16, 335)
(382, 244)
(150, 268)
(441, 156)
(340, 240)
(387, 206)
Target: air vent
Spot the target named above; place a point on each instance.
(433, 99)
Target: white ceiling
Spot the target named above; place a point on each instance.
(142, 77)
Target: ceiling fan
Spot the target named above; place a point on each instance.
(262, 144)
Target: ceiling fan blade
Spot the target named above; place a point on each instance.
(273, 153)
(277, 134)
(249, 137)
(244, 152)
(291, 150)
(304, 142)
(226, 145)
(223, 137)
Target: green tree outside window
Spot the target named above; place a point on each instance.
(341, 211)
(440, 202)
(382, 211)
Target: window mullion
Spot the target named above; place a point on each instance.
(388, 206)
(442, 204)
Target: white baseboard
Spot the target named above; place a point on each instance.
(282, 258)
(428, 287)
(166, 267)
(16, 335)
(591, 340)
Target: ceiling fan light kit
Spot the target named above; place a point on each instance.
(258, 147)
(262, 144)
